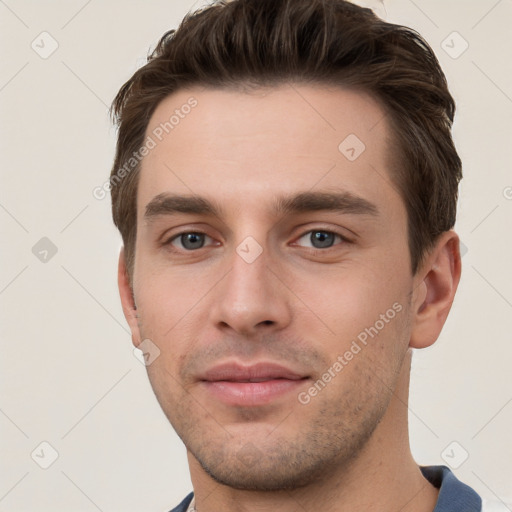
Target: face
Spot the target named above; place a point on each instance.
(272, 272)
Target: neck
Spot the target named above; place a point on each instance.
(383, 478)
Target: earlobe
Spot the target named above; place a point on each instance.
(439, 278)
(127, 299)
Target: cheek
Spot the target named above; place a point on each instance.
(351, 299)
(174, 316)
(365, 318)
(167, 300)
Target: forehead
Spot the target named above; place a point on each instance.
(244, 146)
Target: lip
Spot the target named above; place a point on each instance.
(254, 385)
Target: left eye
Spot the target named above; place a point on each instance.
(321, 239)
(190, 240)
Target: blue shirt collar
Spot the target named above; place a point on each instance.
(453, 494)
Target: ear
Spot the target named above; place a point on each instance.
(435, 289)
(127, 300)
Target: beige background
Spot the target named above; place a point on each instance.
(68, 373)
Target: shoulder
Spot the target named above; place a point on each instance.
(182, 507)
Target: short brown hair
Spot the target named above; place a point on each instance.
(255, 43)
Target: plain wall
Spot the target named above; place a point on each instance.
(67, 370)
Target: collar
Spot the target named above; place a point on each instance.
(453, 494)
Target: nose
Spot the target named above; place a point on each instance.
(251, 298)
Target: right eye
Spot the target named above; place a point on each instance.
(189, 240)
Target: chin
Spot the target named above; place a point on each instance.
(261, 478)
(283, 466)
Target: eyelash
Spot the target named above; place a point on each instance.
(312, 249)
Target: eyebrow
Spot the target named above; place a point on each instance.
(344, 202)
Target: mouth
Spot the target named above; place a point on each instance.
(255, 385)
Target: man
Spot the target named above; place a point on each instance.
(285, 183)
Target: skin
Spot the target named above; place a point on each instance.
(348, 448)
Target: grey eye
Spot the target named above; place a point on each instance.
(319, 239)
(191, 241)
